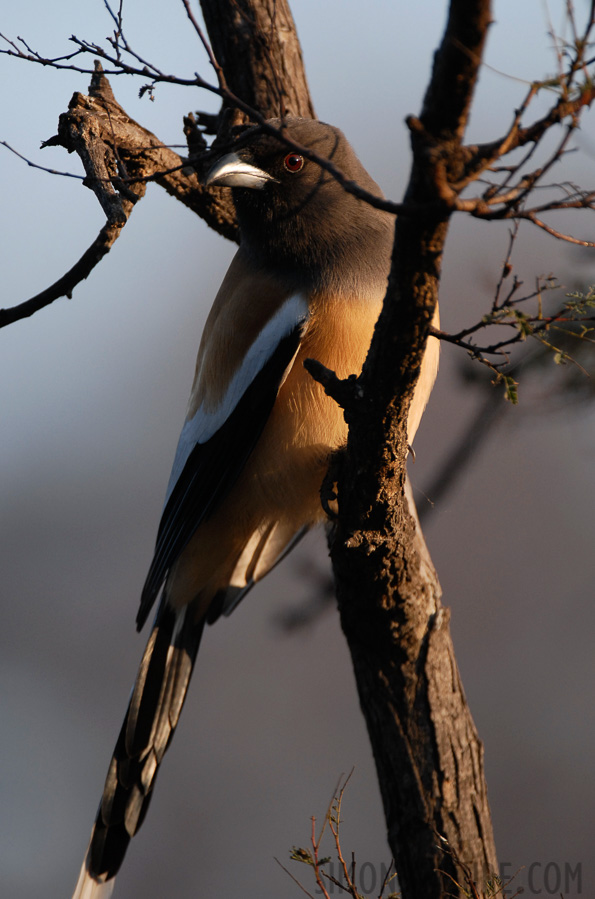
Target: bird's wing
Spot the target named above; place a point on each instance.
(243, 361)
(266, 548)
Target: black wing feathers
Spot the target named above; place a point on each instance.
(213, 468)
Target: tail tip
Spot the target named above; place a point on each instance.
(88, 887)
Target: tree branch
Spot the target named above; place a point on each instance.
(482, 156)
(119, 157)
(428, 755)
(65, 285)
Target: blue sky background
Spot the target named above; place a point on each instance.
(93, 397)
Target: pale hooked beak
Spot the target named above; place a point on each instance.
(231, 171)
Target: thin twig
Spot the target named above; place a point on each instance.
(295, 880)
(43, 168)
(221, 80)
(532, 217)
(64, 286)
(506, 268)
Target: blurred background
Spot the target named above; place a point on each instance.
(93, 397)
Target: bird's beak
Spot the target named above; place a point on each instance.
(231, 171)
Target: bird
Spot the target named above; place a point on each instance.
(307, 282)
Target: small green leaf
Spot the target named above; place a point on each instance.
(523, 324)
(510, 388)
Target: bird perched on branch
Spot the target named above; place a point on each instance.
(307, 282)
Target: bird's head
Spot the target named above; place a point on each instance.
(292, 213)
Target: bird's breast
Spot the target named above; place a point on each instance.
(304, 419)
(285, 471)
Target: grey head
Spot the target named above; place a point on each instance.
(296, 219)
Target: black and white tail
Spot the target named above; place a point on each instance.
(151, 719)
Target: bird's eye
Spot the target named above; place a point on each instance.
(293, 162)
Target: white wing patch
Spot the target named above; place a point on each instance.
(205, 423)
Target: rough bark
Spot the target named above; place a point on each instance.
(98, 128)
(427, 752)
(119, 157)
(256, 44)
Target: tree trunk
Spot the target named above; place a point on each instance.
(428, 755)
(256, 44)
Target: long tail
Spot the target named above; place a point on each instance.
(149, 725)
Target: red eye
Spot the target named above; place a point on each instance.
(293, 162)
